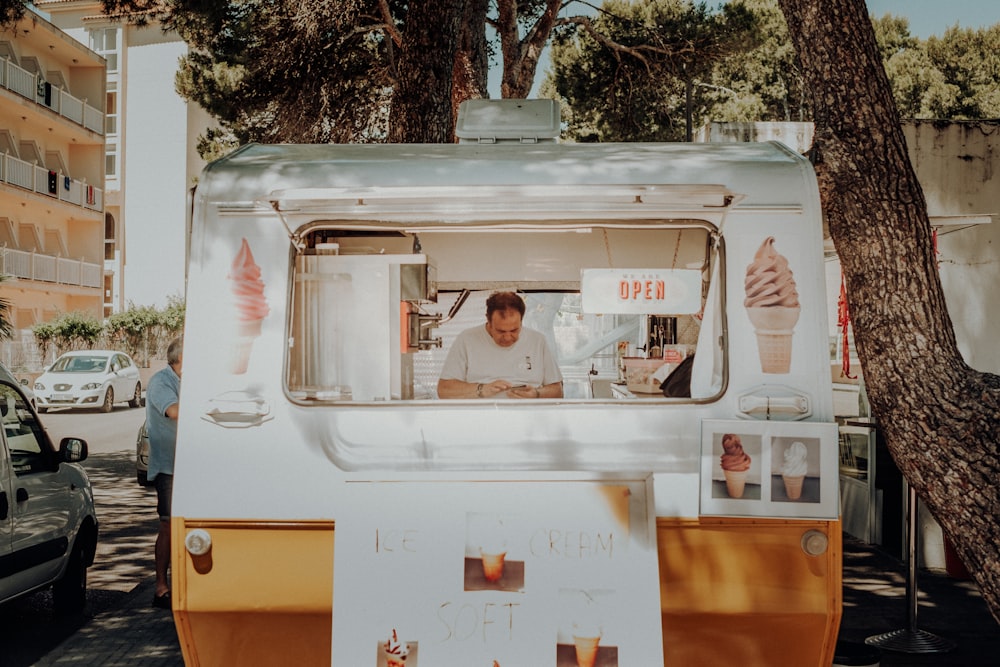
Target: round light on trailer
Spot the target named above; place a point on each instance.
(198, 542)
(815, 542)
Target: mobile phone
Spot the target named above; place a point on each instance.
(518, 386)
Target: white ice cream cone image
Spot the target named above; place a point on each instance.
(793, 471)
(793, 486)
(774, 327)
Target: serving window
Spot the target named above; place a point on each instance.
(376, 309)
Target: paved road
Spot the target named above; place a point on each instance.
(104, 433)
(28, 627)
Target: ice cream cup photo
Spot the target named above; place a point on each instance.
(395, 651)
(492, 564)
(586, 650)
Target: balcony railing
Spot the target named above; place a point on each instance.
(50, 269)
(30, 176)
(24, 83)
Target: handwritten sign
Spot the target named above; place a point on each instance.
(646, 291)
(521, 573)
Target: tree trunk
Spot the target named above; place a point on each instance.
(471, 57)
(520, 57)
(938, 415)
(421, 101)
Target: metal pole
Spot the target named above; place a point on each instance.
(911, 639)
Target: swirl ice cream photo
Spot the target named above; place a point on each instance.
(772, 303)
(251, 306)
(793, 472)
(735, 464)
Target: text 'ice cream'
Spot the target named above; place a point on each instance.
(793, 471)
(735, 463)
(251, 305)
(772, 303)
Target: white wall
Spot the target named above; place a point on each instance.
(958, 165)
(155, 165)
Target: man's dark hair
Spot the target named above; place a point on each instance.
(499, 302)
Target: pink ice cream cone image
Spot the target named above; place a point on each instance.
(772, 303)
(735, 464)
(251, 307)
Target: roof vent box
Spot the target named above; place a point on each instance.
(508, 121)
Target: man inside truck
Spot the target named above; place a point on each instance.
(501, 359)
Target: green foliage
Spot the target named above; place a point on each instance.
(70, 331)
(133, 329)
(639, 70)
(172, 317)
(141, 331)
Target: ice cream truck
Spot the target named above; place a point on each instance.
(677, 505)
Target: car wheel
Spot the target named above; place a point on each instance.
(69, 594)
(136, 397)
(109, 400)
(42, 411)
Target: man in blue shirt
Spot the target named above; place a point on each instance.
(162, 401)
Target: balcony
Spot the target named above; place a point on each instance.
(19, 80)
(50, 269)
(30, 176)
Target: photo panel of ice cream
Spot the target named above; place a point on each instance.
(586, 637)
(795, 469)
(493, 560)
(395, 651)
(737, 471)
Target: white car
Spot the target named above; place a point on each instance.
(48, 525)
(89, 379)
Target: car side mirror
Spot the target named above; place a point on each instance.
(73, 450)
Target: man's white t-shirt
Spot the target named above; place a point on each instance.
(474, 357)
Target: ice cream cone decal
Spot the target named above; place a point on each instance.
(772, 303)
(735, 464)
(251, 307)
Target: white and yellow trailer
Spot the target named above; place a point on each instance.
(325, 497)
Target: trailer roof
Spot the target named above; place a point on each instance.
(767, 173)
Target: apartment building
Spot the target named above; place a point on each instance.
(52, 222)
(150, 158)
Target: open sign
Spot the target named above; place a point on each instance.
(648, 291)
